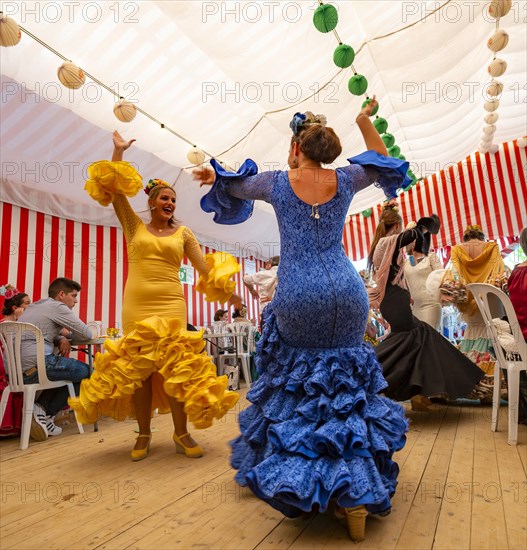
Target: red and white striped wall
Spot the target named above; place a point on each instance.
(489, 190)
(36, 248)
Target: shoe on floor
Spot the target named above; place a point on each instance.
(423, 404)
(51, 427)
(38, 429)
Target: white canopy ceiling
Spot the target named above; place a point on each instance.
(228, 76)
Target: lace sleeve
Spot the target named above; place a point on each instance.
(232, 195)
(387, 173)
(216, 270)
(128, 219)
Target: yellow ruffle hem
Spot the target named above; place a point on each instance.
(217, 285)
(107, 178)
(179, 366)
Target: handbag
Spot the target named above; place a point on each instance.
(453, 287)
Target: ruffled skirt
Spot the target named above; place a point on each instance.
(179, 366)
(317, 429)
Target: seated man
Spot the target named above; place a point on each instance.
(55, 318)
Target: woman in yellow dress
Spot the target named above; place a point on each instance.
(478, 261)
(157, 364)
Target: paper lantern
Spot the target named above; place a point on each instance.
(394, 150)
(491, 105)
(125, 111)
(494, 148)
(381, 125)
(358, 84)
(498, 41)
(489, 130)
(10, 33)
(494, 88)
(483, 148)
(492, 118)
(497, 67)
(343, 56)
(521, 143)
(196, 156)
(367, 213)
(388, 139)
(499, 8)
(402, 157)
(325, 18)
(487, 138)
(70, 75)
(367, 101)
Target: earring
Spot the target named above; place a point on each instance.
(152, 208)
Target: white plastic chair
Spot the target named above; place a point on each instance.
(241, 332)
(481, 293)
(10, 340)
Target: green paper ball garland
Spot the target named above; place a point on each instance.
(325, 18)
(367, 213)
(343, 56)
(357, 84)
(388, 139)
(381, 125)
(394, 151)
(367, 101)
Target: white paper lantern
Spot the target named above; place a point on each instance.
(498, 40)
(491, 105)
(70, 75)
(499, 8)
(487, 138)
(494, 148)
(489, 130)
(522, 142)
(196, 156)
(497, 67)
(483, 148)
(125, 111)
(494, 88)
(492, 118)
(10, 33)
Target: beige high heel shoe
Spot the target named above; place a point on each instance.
(421, 403)
(356, 522)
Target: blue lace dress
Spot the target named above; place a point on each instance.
(317, 428)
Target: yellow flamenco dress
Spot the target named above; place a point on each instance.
(155, 341)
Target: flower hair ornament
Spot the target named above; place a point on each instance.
(476, 227)
(154, 183)
(303, 120)
(8, 291)
(390, 204)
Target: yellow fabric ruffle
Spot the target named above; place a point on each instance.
(179, 366)
(217, 284)
(109, 178)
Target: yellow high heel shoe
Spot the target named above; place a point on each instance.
(356, 522)
(140, 454)
(191, 452)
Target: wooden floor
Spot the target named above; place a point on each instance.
(460, 486)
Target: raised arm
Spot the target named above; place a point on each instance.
(372, 138)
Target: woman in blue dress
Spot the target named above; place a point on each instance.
(317, 428)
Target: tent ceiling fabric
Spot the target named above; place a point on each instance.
(212, 70)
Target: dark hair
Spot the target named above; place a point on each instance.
(67, 285)
(13, 303)
(523, 240)
(154, 192)
(319, 143)
(388, 219)
(219, 314)
(238, 312)
(473, 234)
(275, 260)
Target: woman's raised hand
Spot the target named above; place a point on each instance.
(120, 143)
(368, 108)
(205, 176)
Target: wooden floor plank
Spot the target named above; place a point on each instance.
(170, 501)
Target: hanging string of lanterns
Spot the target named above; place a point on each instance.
(325, 20)
(497, 42)
(73, 77)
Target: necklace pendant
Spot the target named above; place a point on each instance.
(314, 212)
